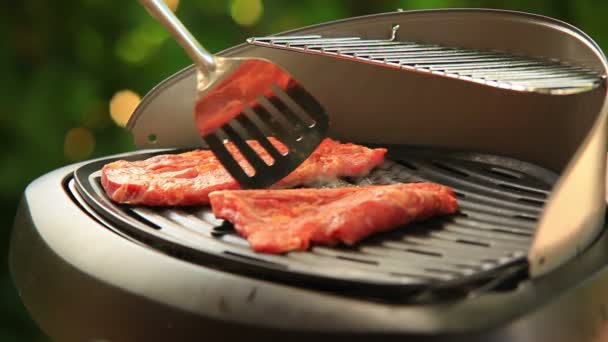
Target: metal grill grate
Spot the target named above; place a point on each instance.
(500, 200)
(492, 68)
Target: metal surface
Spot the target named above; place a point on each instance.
(291, 114)
(375, 104)
(82, 281)
(248, 98)
(492, 68)
(205, 61)
(499, 199)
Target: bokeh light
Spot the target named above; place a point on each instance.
(79, 143)
(246, 12)
(122, 106)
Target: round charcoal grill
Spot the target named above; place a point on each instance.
(499, 198)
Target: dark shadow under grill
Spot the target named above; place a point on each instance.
(487, 242)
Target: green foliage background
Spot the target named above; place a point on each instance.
(61, 61)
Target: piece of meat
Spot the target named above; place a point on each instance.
(188, 178)
(278, 221)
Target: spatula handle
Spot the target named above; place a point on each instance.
(201, 57)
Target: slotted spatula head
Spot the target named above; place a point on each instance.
(249, 99)
(257, 99)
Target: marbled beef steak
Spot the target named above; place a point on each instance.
(277, 221)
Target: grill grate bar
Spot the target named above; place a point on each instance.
(492, 68)
(413, 48)
(303, 42)
(452, 250)
(285, 38)
(432, 261)
(350, 263)
(394, 264)
(427, 63)
(520, 205)
(191, 221)
(390, 49)
(517, 240)
(345, 45)
(481, 68)
(554, 82)
(480, 190)
(503, 189)
(489, 240)
(473, 240)
(168, 227)
(236, 241)
(483, 218)
(457, 222)
(530, 69)
(492, 210)
(397, 56)
(538, 72)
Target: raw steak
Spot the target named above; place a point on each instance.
(188, 178)
(277, 221)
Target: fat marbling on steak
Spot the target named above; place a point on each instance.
(277, 221)
(187, 178)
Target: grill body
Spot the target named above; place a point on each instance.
(372, 103)
(82, 282)
(84, 278)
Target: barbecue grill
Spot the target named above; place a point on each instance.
(507, 108)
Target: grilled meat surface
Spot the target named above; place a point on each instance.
(186, 179)
(277, 221)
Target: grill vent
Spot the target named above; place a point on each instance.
(492, 68)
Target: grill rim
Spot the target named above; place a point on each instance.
(221, 261)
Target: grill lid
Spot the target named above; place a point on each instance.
(500, 200)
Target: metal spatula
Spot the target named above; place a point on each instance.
(242, 99)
